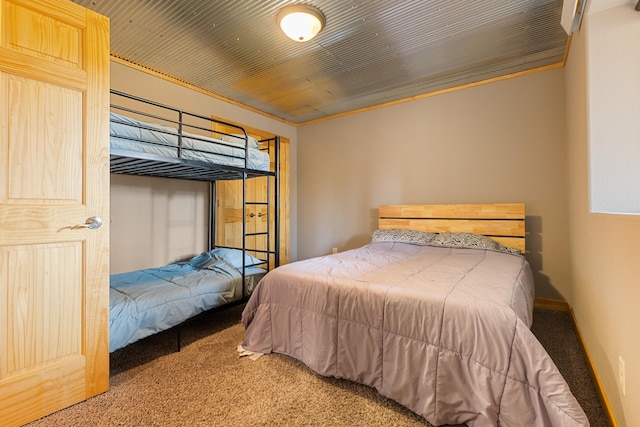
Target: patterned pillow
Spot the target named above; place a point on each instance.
(509, 249)
(465, 240)
(471, 240)
(404, 236)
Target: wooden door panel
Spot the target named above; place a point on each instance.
(36, 144)
(228, 215)
(31, 224)
(42, 305)
(58, 37)
(22, 396)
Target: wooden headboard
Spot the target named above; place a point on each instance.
(501, 222)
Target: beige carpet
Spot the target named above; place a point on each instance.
(207, 384)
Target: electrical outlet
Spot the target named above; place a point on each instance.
(334, 250)
(622, 380)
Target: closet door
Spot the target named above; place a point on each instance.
(54, 175)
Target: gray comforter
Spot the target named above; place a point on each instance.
(443, 331)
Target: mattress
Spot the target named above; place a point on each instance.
(442, 330)
(144, 302)
(156, 139)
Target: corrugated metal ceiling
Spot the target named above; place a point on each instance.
(369, 53)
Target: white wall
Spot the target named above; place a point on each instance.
(604, 248)
(155, 221)
(497, 143)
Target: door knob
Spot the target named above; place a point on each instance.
(92, 223)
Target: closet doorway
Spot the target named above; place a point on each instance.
(228, 204)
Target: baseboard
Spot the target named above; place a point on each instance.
(564, 306)
(551, 304)
(602, 396)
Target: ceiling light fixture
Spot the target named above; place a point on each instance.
(300, 22)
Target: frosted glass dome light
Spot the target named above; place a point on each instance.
(300, 22)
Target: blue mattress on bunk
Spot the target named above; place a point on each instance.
(130, 134)
(144, 302)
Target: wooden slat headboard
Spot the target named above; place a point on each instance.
(504, 223)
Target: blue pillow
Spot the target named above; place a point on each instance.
(232, 256)
(201, 261)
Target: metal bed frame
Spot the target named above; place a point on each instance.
(139, 163)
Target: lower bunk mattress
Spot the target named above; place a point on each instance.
(148, 301)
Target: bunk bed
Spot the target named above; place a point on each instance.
(434, 313)
(152, 139)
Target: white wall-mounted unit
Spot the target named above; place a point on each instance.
(572, 13)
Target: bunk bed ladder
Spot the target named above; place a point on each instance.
(244, 232)
(271, 255)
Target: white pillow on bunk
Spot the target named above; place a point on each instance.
(238, 139)
(232, 256)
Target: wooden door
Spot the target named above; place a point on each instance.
(54, 174)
